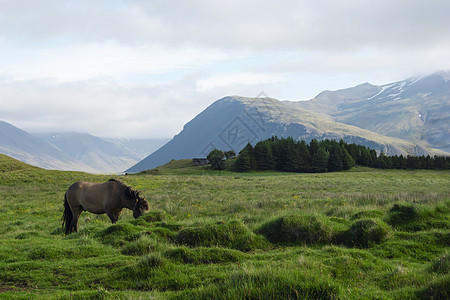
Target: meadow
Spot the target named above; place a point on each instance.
(359, 234)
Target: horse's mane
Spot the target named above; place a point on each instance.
(129, 191)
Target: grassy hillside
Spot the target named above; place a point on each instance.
(350, 235)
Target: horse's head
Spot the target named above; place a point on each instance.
(140, 207)
(140, 204)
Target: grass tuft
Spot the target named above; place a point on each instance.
(441, 265)
(141, 246)
(154, 216)
(267, 284)
(118, 234)
(233, 234)
(297, 229)
(409, 217)
(204, 255)
(438, 289)
(367, 214)
(364, 233)
(401, 214)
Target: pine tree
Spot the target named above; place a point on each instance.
(382, 162)
(401, 162)
(243, 162)
(280, 155)
(263, 156)
(320, 160)
(347, 160)
(439, 162)
(422, 162)
(229, 154)
(411, 162)
(304, 157)
(313, 146)
(251, 155)
(335, 159)
(364, 157)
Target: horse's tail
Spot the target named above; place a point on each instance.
(67, 216)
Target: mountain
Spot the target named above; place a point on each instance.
(105, 155)
(232, 122)
(415, 109)
(74, 151)
(27, 148)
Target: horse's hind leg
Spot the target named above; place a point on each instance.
(76, 215)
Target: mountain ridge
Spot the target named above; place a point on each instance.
(411, 116)
(74, 151)
(229, 123)
(416, 109)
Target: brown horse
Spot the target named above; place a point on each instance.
(109, 197)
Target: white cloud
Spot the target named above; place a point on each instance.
(144, 68)
(78, 62)
(250, 79)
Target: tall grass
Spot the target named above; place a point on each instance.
(349, 235)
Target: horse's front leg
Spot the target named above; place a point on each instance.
(113, 216)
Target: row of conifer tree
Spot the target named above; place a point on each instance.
(289, 155)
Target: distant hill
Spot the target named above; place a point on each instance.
(415, 109)
(74, 151)
(9, 164)
(27, 148)
(232, 122)
(105, 155)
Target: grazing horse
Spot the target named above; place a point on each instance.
(109, 197)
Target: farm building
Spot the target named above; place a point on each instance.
(199, 161)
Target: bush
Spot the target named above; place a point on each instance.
(299, 229)
(364, 233)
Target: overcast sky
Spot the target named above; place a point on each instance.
(142, 69)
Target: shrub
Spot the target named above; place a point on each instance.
(299, 229)
(364, 233)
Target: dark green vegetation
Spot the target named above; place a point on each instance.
(363, 233)
(289, 155)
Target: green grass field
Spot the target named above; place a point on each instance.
(360, 234)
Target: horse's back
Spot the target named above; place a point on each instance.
(89, 195)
